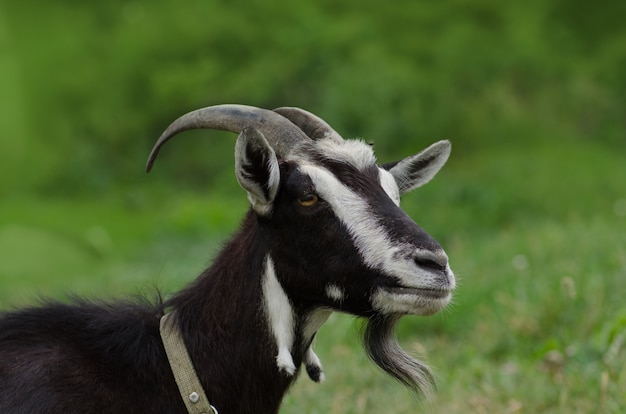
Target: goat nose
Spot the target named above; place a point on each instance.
(427, 259)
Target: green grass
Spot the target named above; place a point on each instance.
(108, 246)
(537, 236)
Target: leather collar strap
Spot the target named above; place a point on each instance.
(184, 373)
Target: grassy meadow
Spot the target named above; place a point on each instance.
(538, 322)
(531, 207)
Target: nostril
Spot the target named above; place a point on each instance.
(430, 260)
(429, 264)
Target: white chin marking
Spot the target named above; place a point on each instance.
(408, 304)
(280, 318)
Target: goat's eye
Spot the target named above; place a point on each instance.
(308, 200)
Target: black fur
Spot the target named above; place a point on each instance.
(86, 357)
(108, 358)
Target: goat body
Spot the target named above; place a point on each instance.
(324, 233)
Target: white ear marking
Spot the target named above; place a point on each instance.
(280, 318)
(257, 171)
(388, 183)
(416, 170)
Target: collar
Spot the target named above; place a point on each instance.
(185, 375)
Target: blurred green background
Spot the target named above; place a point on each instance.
(531, 207)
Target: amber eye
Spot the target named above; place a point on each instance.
(308, 200)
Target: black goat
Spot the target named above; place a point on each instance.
(324, 233)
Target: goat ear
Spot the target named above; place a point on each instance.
(416, 170)
(256, 167)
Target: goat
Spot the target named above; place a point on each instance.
(324, 233)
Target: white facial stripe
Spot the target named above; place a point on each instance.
(351, 151)
(376, 249)
(280, 317)
(371, 240)
(389, 185)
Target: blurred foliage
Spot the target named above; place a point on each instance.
(531, 207)
(89, 86)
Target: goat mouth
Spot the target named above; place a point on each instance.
(411, 300)
(423, 292)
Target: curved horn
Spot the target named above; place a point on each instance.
(280, 133)
(312, 125)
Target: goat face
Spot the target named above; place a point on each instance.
(332, 232)
(336, 233)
